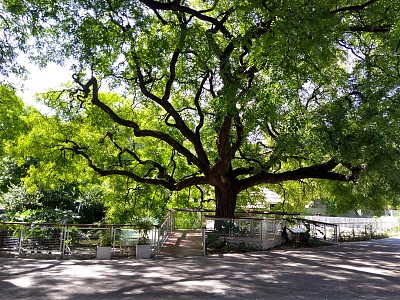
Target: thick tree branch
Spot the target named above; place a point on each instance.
(224, 137)
(171, 111)
(371, 28)
(143, 83)
(224, 150)
(175, 6)
(197, 104)
(138, 132)
(172, 186)
(239, 135)
(320, 171)
(363, 28)
(162, 172)
(353, 7)
(172, 74)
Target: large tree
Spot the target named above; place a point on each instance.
(228, 94)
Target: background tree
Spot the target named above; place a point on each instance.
(27, 195)
(228, 94)
(12, 122)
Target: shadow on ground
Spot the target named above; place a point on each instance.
(361, 270)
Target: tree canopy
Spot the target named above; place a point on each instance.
(226, 94)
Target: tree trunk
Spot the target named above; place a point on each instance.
(225, 198)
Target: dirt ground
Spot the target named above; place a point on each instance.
(358, 270)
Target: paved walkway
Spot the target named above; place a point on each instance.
(363, 270)
(183, 243)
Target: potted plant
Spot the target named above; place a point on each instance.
(103, 250)
(143, 247)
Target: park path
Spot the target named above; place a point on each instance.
(357, 270)
(183, 243)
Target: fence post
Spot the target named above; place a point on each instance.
(113, 240)
(203, 233)
(20, 233)
(173, 220)
(335, 232)
(370, 231)
(158, 239)
(62, 241)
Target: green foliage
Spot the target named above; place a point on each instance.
(12, 123)
(144, 227)
(11, 173)
(21, 203)
(227, 94)
(42, 215)
(105, 237)
(187, 220)
(216, 243)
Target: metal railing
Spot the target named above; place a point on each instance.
(360, 228)
(245, 232)
(78, 240)
(264, 233)
(317, 230)
(163, 231)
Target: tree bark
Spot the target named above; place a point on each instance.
(225, 198)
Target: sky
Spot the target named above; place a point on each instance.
(40, 80)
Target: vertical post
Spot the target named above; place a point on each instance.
(370, 230)
(274, 226)
(335, 232)
(158, 240)
(62, 241)
(112, 237)
(20, 233)
(170, 221)
(203, 233)
(154, 239)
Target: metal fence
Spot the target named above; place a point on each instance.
(81, 241)
(78, 240)
(246, 232)
(361, 228)
(163, 230)
(264, 233)
(315, 229)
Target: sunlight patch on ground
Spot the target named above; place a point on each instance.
(126, 273)
(266, 277)
(214, 286)
(157, 275)
(23, 282)
(85, 271)
(342, 277)
(370, 270)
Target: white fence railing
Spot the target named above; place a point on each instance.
(317, 230)
(250, 232)
(163, 230)
(362, 228)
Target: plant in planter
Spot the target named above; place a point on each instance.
(143, 247)
(103, 251)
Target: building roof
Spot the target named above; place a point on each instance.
(269, 197)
